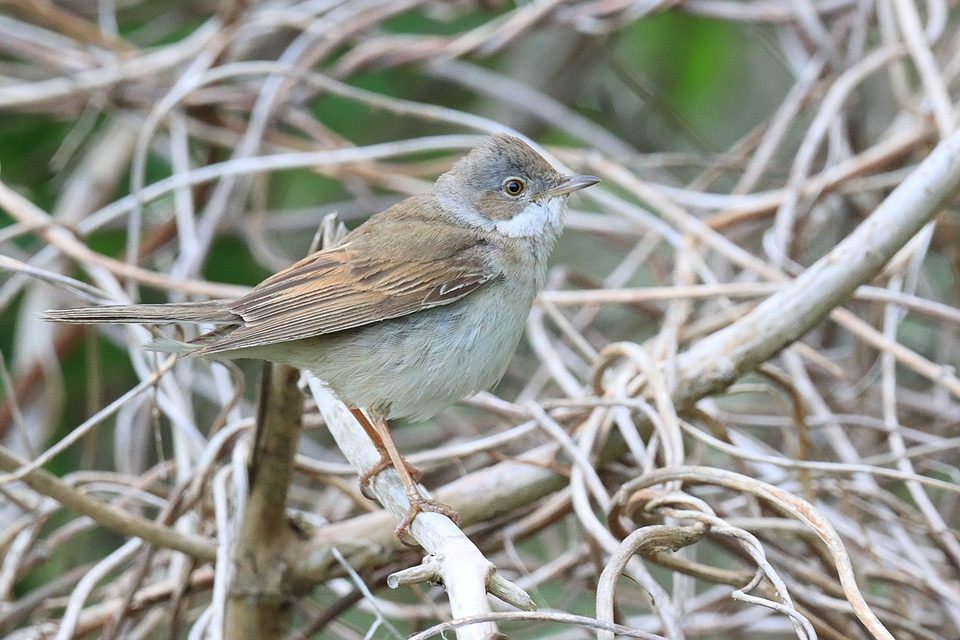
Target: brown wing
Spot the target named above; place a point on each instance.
(358, 283)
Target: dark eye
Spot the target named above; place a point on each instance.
(514, 186)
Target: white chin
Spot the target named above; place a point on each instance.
(534, 219)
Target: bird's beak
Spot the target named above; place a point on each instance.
(569, 184)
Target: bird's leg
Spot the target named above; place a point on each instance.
(417, 502)
(385, 461)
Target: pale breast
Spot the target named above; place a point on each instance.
(422, 363)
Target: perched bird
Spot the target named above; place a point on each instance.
(416, 308)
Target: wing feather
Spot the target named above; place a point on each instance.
(355, 284)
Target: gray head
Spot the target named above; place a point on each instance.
(499, 180)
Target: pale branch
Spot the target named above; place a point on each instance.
(452, 558)
(478, 496)
(716, 361)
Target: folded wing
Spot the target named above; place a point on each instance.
(350, 286)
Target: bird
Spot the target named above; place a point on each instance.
(419, 306)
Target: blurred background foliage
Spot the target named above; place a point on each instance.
(678, 90)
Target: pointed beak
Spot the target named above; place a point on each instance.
(568, 185)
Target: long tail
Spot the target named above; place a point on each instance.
(212, 311)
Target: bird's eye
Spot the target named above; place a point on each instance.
(514, 186)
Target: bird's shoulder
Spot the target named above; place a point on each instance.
(416, 229)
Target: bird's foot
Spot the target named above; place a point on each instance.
(383, 463)
(419, 504)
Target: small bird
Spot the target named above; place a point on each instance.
(419, 306)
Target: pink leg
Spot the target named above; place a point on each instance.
(385, 462)
(408, 474)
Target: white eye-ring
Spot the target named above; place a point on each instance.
(514, 187)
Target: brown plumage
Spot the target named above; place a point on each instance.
(362, 281)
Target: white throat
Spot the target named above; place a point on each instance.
(536, 218)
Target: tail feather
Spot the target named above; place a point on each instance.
(211, 311)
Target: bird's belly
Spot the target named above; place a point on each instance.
(417, 365)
